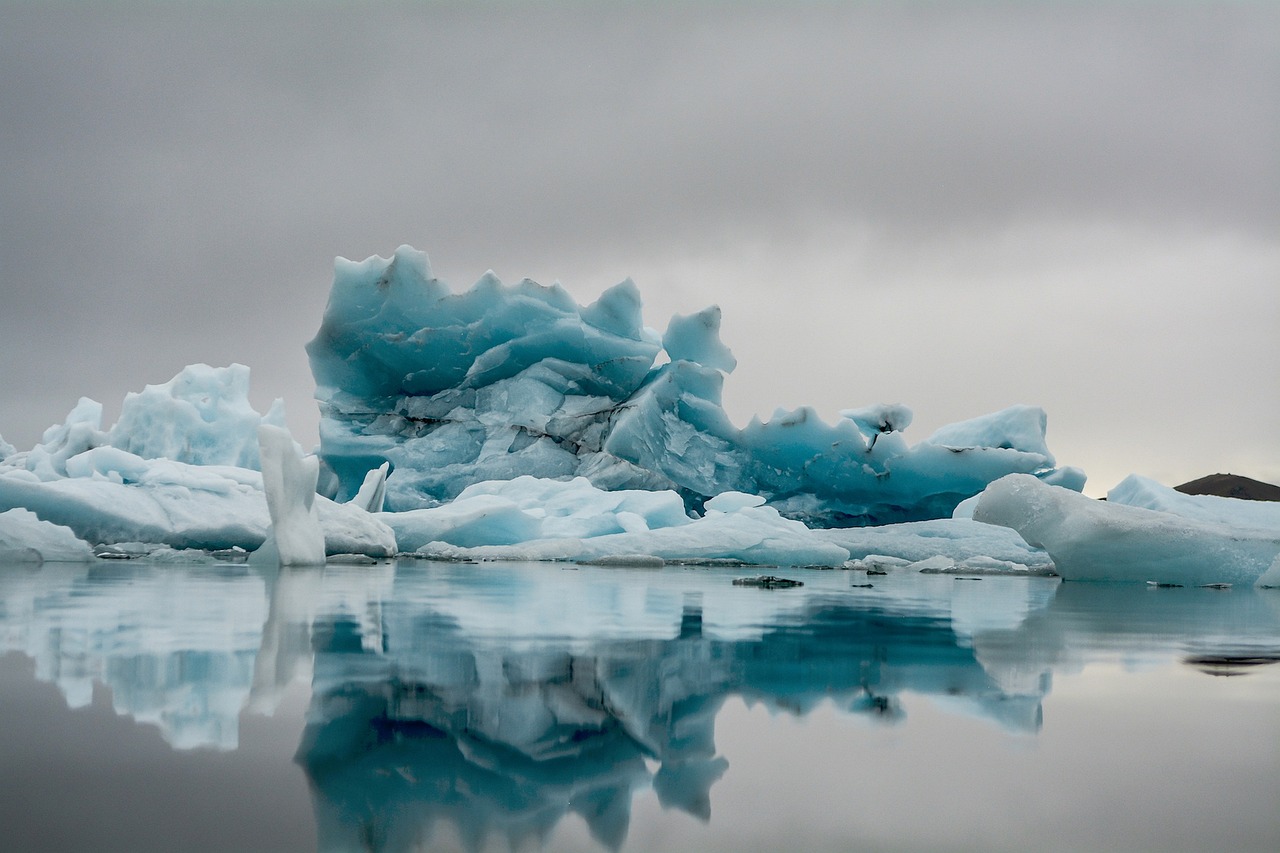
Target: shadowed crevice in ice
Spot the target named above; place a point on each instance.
(502, 380)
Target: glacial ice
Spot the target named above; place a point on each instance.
(289, 480)
(202, 417)
(1099, 540)
(24, 538)
(84, 478)
(509, 422)
(535, 519)
(1136, 490)
(501, 381)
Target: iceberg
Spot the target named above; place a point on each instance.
(174, 471)
(1136, 490)
(500, 381)
(1102, 541)
(202, 417)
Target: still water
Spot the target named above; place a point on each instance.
(437, 706)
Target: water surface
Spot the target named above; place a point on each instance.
(448, 706)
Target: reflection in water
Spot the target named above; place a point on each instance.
(499, 699)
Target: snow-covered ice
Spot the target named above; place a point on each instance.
(1102, 541)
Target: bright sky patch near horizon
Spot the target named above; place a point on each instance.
(1075, 206)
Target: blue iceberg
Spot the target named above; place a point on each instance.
(500, 381)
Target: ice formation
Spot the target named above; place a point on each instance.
(1099, 540)
(1136, 490)
(202, 417)
(500, 381)
(185, 492)
(535, 519)
(289, 480)
(24, 538)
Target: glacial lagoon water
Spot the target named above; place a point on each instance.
(413, 705)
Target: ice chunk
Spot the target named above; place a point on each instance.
(81, 431)
(106, 494)
(534, 519)
(373, 490)
(289, 480)
(1098, 540)
(509, 512)
(733, 501)
(880, 418)
(696, 338)
(1015, 428)
(202, 416)
(6, 449)
(25, 538)
(501, 381)
(963, 541)
(1136, 490)
(171, 503)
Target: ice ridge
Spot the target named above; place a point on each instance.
(499, 381)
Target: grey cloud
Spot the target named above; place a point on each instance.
(178, 179)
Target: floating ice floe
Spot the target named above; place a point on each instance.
(84, 478)
(1105, 541)
(501, 381)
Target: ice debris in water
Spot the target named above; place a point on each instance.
(1101, 540)
(499, 381)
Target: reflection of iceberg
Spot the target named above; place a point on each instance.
(1136, 625)
(480, 709)
(184, 648)
(497, 700)
(175, 646)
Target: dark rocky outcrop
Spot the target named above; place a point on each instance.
(1231, 486)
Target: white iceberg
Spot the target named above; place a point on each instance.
(1136, 490)
(81, 478)
(1102, 541)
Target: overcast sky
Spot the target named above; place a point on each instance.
(954, 206)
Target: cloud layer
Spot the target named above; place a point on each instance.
(1069, 205)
